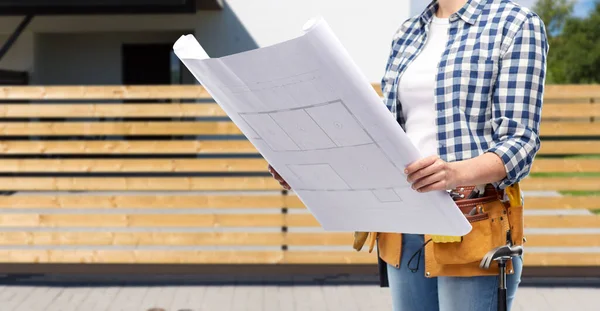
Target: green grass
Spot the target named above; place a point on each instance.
(583, 193)
(580, 193)
(583, 156)
(579, 174)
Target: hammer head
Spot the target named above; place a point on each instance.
(504, 252)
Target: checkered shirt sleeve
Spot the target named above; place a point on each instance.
(517, 100)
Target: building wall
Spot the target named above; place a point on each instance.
(92, 58)
(20, 56)
(61, 43)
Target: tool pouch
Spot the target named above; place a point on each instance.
(488, 232)
(490, 228)
(515, 214)
(359, 240)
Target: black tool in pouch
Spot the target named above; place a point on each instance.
(382, 267)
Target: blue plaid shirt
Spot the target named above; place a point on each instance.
(489, 84)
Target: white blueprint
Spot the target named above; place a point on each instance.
(315, 118)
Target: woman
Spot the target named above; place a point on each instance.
(465, 80)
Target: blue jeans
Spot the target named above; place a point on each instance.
(414, 292)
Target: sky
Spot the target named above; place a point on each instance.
(581, 8)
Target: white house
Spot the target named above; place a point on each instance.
(129, 41)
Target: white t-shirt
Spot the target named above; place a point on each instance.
(416, 89)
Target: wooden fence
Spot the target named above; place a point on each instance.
(158, 174)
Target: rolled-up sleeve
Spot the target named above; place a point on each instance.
(517, 100)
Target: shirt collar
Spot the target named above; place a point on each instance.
(469, 12)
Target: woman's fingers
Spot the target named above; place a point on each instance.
(275, 174)
(421, 163)
(430, 168)
(439, 185)
(283, 183)
(278, 177)
(423, 184)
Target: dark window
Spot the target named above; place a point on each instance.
(148, 64)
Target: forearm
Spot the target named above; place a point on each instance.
(483, 169)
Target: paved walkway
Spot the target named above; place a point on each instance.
(268, 298)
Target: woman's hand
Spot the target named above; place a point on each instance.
(278, 177)
(431, 173)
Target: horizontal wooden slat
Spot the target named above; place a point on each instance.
(119, 128)
(249, 257)
(569, 147)
(563, 240)
(141, 220)
(561, 183)
(230, 183)
(141, 256)
(104, 92)
(133, 165)
(537, 240)
(198, 92)
(571, 91)
(377, 87)
(554, 221)
(105, 238)
(149, 201)
(230, 201)
(110, 92)
(109, 110)
(569, 129)
(214, 146)
(212, 128)
(566, 165)
(72, 110)
(568, 110)
(137, 183)
(234, 220)
(142, 238)
(530, 259)
(322, 238)
(293, 201)
(220, 165)
(563, 221)
(565, 202)
(126, 147)
(531, 202)
(561, 259)
(329, 257)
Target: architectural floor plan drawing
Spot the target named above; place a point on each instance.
(310, 112)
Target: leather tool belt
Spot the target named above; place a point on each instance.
(493, 222)
(465, 200)
(496, 217)
(470, 200)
